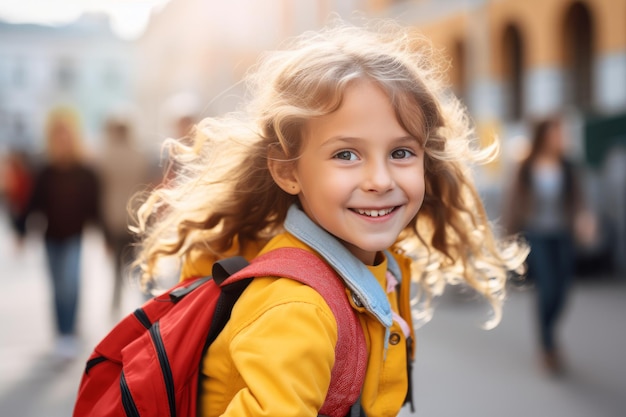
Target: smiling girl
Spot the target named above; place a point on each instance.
(347, 150)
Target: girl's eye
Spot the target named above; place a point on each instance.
(401, 154)
(346, 155)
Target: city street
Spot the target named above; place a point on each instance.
(461, 370)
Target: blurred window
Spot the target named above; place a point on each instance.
(19, 126)
(4, 119)
(513, 53)
(66, 74)
(111, 78)
(579, 56)
(19, 74)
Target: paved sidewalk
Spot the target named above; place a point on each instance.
(464, 371)
(33, 382)
(461, 370)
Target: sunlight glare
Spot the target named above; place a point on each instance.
(128, 17)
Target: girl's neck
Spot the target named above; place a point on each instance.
(380, 257)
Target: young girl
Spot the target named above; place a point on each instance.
(347, 150)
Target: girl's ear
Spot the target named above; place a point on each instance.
(283, 172)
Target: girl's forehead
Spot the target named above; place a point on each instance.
(366, 110)
(368, 85)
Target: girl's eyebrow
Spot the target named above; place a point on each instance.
(339, 140)
(352, 139)
(408, 138)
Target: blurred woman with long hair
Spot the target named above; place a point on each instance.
(547, 206)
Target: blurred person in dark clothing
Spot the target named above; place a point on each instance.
(546, 205)
(17, 182)
(66, 192)
(124, 170)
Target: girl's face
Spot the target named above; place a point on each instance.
(361, 174)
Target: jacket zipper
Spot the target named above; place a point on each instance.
(165, 366)
(127, 399)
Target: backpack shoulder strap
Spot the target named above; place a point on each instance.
(224, 268)
(348, 373)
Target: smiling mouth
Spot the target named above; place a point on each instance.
(374, 213)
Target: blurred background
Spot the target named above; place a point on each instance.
(147, 69)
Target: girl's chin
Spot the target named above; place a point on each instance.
(370, 255)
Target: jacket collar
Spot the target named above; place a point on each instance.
(354, 273)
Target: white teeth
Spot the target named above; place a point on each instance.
(374, 213)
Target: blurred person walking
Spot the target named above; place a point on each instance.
(546, 205)
(66, 192)
(124, 171)
(17, 182)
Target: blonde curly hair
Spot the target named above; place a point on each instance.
(223, 195)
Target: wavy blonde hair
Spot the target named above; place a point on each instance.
(224, 194)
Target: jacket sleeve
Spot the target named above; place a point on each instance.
(283, 356)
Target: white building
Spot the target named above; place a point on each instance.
(81, 64)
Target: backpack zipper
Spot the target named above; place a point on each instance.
(165, 366)
(142, 317)
(93, 362)
(127, 399)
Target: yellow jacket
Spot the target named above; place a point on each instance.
(276, 353)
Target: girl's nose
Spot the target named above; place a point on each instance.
(378, 177)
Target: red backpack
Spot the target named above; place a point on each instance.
(149, 364)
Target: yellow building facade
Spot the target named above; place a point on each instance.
(513, 62)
